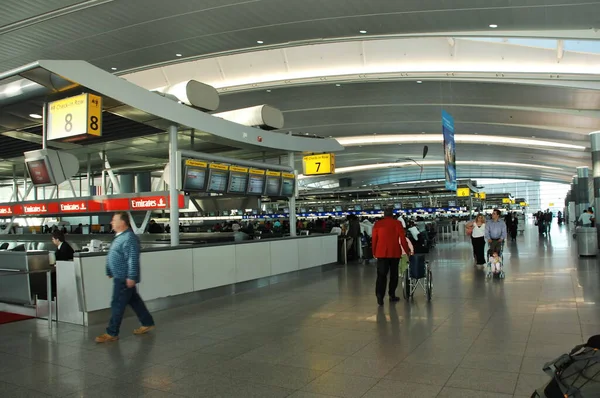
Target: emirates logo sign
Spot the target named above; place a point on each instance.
(35, 209)
(148, 203)
(73, 206)
(5, 210)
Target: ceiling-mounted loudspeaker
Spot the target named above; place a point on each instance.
(425, 150)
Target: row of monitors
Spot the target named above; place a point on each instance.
(375, 206)
(218, 178)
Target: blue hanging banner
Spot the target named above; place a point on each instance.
(449, 150)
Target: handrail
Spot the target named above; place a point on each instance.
(48, 273)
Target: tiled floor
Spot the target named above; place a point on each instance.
(325, 336)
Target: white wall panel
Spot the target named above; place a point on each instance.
(252, 261)
(166, 274)
(283, 256)
(213, 266)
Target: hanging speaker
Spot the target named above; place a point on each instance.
(425, 150)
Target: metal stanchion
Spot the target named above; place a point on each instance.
(49, 292)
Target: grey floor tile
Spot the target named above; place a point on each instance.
(313, 360)
(196, 361)
(483, 380)
(393, 388)
(528, 383)
(69, 383)
(341, 385)
(421, 373)
(534, 365)
(159, 376)
(451, 392)
(538, 349)
(304, 394)
(501, 362)
(376, 368)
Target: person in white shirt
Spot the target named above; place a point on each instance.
(585, 219)
(477, 228)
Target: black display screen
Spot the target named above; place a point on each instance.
(287, 186)
(273, 186)
(194, 179)
(256, 184)
(237, 182)
(217, 180)
(39, 172)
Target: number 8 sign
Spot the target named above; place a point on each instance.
(77, 116)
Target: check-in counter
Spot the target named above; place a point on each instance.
(22, 289)
(182, 275)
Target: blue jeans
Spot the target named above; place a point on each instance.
(122, 295)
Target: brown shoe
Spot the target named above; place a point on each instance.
(106, 338)
(143, 329)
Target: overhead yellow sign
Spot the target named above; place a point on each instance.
(482, 195)
(506, 200)
(74, 117)
(550, 204)
(523, 204)
(274, 173)
(257, 171)
(463, 192)
(238, 169)
(197, 163)
(219, 166)
(288, 175)
(318, 164)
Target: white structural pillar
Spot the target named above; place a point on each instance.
(292, 199)
(173, 194)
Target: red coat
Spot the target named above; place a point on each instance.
(388, 233)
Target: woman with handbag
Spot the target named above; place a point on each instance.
(476, 229)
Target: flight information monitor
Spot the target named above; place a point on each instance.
(238, 179)
(40, 172)
(288, 184)
(256, 182)
(358, 207)
(217, 178)
(194, 175)
(273, 185)
(376, 207)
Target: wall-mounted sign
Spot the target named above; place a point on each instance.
(318, 164)
(463, 192)
(77, 116)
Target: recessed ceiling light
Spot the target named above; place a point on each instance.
(35, 116)
(178, 55)
(260, 41)
(268, 91)
(362, 31)
(338, 85)
(493, 26)
(419, 81)
(113, 68)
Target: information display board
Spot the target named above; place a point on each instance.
(238, 180)
(76, 116)
(288, 184)
(256, 182)
(194, 175)
(273, 184)
(218, 175)
(463, 192)
(318, 164)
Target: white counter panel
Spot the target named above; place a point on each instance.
(283, 258)
(97, 286)
(309, 252)
(213, 266)
(252, 261)
(166, 274)
(330, 249)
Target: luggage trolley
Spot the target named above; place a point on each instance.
(417, 274)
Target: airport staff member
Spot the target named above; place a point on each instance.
(495, 232)
(388, 235)
(64, 251)
(123, 266)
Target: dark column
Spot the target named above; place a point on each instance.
(127, 183)
(143, 182)
(583, 193)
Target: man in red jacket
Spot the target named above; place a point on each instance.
(388, 234)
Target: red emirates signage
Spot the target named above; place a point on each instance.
(89, 205)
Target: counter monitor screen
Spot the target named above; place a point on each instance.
(357, 207)
(320, 210)
(287, 187)
(256, 184)
(303, 210)
(338, 208)
(39, 171)
(451, 203)
(273, 186)
(376, 207)
(237, 182)
(397, 206)
(194, 179)
(217, 180)
(286, 210)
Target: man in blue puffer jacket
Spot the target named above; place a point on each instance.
(123, 267)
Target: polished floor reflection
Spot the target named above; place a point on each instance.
(324, 336)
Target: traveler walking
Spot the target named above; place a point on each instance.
(477, 228)
(548, 218)
(388, 236)
(514, 226)
(495, 232)
(123, 267)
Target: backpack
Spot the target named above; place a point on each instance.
(574, 375)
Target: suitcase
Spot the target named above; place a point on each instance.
(574, 375)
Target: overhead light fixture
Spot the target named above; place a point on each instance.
(260, 41)
(113, 68)
(35, 116)
(178, 55)
(362, 31)
(268, 91)
(493, 26)
(419, 81)
(338, 85)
